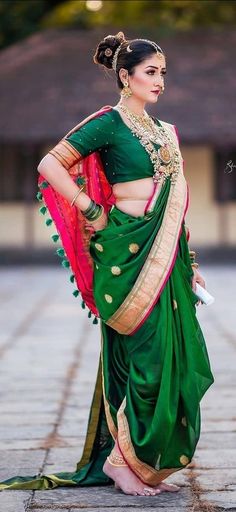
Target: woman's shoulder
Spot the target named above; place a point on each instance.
(105, 116)
(101, 119)
(105, 112)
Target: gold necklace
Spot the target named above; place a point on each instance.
(166, 160)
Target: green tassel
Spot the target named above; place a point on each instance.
(89, 314)
(60, 252)
(48, 222)
(65, 263)
(55, 238)
(95, 320)
(39, 196)
(72, 278)
(44, 184)
(76, 293)
(80, 180)
(43, 210)
(83, 304)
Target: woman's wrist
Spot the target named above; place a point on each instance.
(99, 214)
(82, 202)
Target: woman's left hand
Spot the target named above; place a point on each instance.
(197, 278)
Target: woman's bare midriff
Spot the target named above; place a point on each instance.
(132, 196)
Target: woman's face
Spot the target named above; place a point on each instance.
(148, 77)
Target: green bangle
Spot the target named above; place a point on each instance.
(100, 213)
(93, 214)
(90, 208)
(96, 213)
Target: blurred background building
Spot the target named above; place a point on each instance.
(49, 83)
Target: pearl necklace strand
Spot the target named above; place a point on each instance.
(166, 160)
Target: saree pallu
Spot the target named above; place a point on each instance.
(150, 380)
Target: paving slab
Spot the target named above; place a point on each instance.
(217, 479)
(108, 497)
(226, 500)
(17, 501)
(47, 374)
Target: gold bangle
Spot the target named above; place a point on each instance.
(194, 265)
(76, 195)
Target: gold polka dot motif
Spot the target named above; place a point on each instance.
(116, 271)
(133, 248)
(108, 298)
(184, 460)
(184, 421)
(99, 247)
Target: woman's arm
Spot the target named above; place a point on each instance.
(93, 135)
(58, 177)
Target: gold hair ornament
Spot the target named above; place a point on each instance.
(114, 60)
(128, 49)
(108, 52)
(157, 48)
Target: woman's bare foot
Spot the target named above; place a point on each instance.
(127, 481)
(162, 486)
(167, 487)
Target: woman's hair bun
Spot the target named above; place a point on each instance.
(102, 54)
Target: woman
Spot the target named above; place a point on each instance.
(124, 235)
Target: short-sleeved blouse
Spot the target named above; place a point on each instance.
(123, 156)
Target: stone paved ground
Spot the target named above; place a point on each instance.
(49, 352)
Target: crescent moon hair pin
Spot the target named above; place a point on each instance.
(129, 49)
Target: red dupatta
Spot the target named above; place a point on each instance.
(70, 223)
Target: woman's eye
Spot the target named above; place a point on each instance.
(152, 72)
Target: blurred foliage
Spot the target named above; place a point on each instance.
(20, 18)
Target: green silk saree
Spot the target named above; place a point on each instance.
(154, 367)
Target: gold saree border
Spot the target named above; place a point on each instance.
(110, 423)
(66, 154)
(93, 421)
(149, 283)
(146, 473)
(155, 196)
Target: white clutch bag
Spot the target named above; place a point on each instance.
(203, 295)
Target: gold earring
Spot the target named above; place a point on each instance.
(162, 89)
(126, 91)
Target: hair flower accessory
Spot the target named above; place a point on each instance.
(108, 52)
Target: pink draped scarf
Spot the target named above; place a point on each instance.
(71, 224)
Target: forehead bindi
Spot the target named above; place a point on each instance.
(156, 62)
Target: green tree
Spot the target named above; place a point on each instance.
(19, 18)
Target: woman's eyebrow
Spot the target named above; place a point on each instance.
(155, 67)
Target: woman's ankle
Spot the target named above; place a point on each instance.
(116, 458)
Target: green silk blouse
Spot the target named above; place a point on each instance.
(123, 156)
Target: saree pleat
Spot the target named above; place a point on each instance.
(154, 380)
(150, 383)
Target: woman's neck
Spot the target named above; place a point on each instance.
(133, 105)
